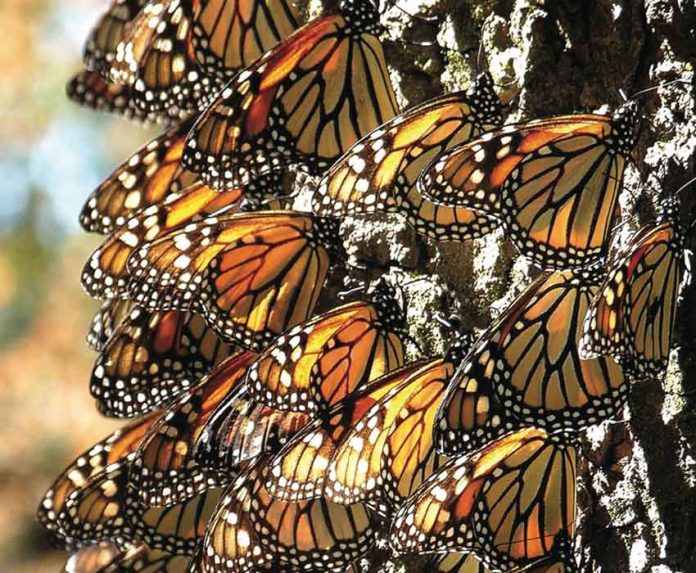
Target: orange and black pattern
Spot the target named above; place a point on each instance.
(229, 35)
(317, 364)
(378, 174)
(281, 431)
(156, 59)
(163, 470)
(526, 370)
(89, 89)
(57, 513)
(252, 276)
(299, 471)
(512, 504)
(151, 358)
(103, 40)
(633, 315)
(251, 530)
(553, 182)
(240, 430)
(305, 102)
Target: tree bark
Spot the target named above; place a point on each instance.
(637, 486)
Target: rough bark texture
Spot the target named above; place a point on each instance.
(637, 491)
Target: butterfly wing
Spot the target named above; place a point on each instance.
(633, 314)
(508, 504)
(318, 363)
(554, 182)
(240, 430)
(105, 274)
(89, 89)
(157, 59)
(380, 171)
(151, 358)
(529, 359)
(105, 321)
(100, 47)
(143, 180)
(229, 35)
(252, 529)
(111, 450)
(253, 276)
(164, 472)
(299, 470)
(368, 464)
(312, 97)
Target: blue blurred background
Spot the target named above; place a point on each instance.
(52, 155)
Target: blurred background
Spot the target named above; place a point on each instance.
(52, 155)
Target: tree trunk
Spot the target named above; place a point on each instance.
(637, 487)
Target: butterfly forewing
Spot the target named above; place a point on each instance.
(228, 35)
(164, 471)
(305, 102)
(380, 171)
(151, 358)
(554, 182)
(252, 276)
(632, 316)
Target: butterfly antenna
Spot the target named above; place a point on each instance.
(654, 88)
(350, 292)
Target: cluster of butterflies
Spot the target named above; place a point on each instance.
(271, 438)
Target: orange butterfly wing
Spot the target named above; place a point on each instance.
(633, 315)
(297, 104)
(253, 276)
(151, 358)
(229, 35)
(318, 363)
(554, 182)
(163, 471)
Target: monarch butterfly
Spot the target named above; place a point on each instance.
(388, 453)
(318, 363)
(512, 504)
(163, 471)
(105, 454)
(379, 172)
(252, 276)
(251, 530)
(305, 102)
(105, 274)
(240, 430)
(100, 47)
(144, 179)
(104, 508)
(298, 472)
(151, 358)
(152, 178)
(633, 314)
(228, 35)
(554, 182)
(104, 557)
(526, 369)
(87, 88)
(105, 321)
(156, 58)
